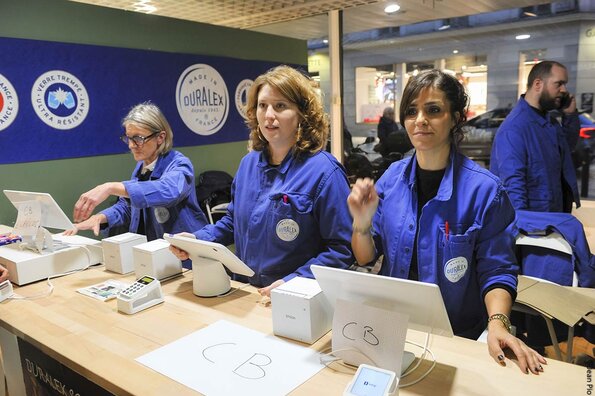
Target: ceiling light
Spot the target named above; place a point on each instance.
(455, 51)
(392, 8)
(325, 41)
(529, 14)
(144, 6)
(522, 36)
(444, 27)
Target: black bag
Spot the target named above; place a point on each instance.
(213, 188)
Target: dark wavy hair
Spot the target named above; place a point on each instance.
(300, 90)
(453, 90)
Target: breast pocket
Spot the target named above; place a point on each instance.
(455, 252)
(292, 215)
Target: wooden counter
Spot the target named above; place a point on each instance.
(93, 339)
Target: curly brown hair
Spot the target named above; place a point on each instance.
(297, 88)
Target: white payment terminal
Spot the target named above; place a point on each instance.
(142, 294)
(372, 381)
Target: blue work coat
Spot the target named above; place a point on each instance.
(531, 156)
(476, 255)
(550, 264)
(285, 218)
(167, 200)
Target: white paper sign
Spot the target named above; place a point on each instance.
(28, 218)
(228, 359)
(366, 334)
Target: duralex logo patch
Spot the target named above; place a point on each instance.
(9, 103)
(60, 99)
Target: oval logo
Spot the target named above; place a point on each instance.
(241, 96)
(161, 214)
(287, 230)
(60, 100)
(9, 103)
(455, 268)
(202, 99)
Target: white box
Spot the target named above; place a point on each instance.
(26, 266)
(155, 259)
(117, 251)
(300, 310)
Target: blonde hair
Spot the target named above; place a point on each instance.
(148, 116)
(313, 127)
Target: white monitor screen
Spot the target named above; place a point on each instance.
(52, 215)
(422, 302)
(210, 250)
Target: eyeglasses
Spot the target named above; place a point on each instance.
(137, 140)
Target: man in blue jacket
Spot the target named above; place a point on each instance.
(531, 150)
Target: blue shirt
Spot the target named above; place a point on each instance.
(531, 155)
(476, 254)
(285, 218)
(167, 200)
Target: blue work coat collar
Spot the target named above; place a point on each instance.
(446, 185)
(533, 115)
(263, 162)
(163, 161)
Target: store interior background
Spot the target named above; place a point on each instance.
(476, 40)
(489, 45)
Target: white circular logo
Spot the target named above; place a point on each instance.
(455, 268)
(161, 214)
(287, 230)
(9, 103)
(202, 99)
(60, 99)
(242, 96)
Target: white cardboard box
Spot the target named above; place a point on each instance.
(26, 266)
(117, 251)
(155, 259)
(300, 310)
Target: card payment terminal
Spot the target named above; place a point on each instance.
(142, 294)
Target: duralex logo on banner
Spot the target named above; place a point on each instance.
(242, 96)
(9, 103)
(202, 99)
(60, 100)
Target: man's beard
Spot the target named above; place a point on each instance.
(547, 102)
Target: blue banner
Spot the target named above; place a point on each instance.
(60, 100)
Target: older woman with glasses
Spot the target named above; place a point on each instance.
(160, 195)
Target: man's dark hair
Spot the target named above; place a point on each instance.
(541, 70)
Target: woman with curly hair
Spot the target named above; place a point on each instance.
(288, 208)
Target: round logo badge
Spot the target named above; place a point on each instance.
(455, 268)
(242, 96)
(60, 99)
(202, 99)
(9, 103)
(161, 214)
(287, 230)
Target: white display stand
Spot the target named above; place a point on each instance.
(208, 259)
(209, 277)
(26, 266)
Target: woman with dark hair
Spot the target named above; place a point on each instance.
(288, 208)
(439, 218)
(160, 197)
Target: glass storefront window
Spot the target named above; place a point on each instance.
(375, 89)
